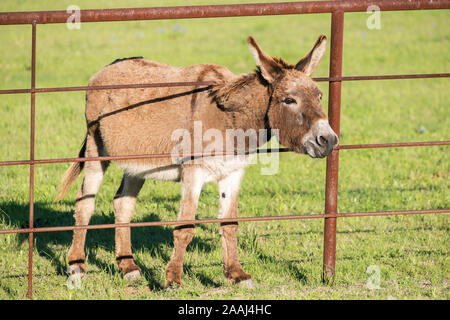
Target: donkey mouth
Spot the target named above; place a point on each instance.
(315, 149)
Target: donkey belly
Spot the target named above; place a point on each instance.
(212, 170)
(216, 169)
(153, 172)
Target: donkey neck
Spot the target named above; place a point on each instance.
(243, 102)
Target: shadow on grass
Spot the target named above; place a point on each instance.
(154, 240)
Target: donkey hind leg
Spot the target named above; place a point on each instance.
(124, 202)
(228, 193)
(191, 186)
(85, 205)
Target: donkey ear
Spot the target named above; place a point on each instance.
(309, 63)
(268, 66)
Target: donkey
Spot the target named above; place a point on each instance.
(277, 95)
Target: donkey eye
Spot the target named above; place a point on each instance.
(289, 100)
(320, 96)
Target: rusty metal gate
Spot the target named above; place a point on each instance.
(335, 78)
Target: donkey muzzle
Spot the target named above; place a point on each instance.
(321, 140)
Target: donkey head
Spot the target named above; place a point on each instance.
(295, 107)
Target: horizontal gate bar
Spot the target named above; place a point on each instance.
(209, 83)
(200, 155)
(111, 87)
(135, 157)
(244, 219)
(216, 11)
(393, 145)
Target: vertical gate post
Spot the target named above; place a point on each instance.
(32, 121)
(334, 112)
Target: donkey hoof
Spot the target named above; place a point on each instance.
(75, 275)
(76, 270)
(132, 275)
(247, 284)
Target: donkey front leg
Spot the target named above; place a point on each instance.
(228, 190)
(191, 186)
(124, 202)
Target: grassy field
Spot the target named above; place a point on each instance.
(284, 258)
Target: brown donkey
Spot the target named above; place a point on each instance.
(277, 95)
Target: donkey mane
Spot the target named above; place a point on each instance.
(124, 59)
(223, 92)
(283, 64)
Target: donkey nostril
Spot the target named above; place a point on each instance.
(321, 140)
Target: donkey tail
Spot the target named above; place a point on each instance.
(72, 173)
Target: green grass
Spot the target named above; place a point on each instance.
(284, 258)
